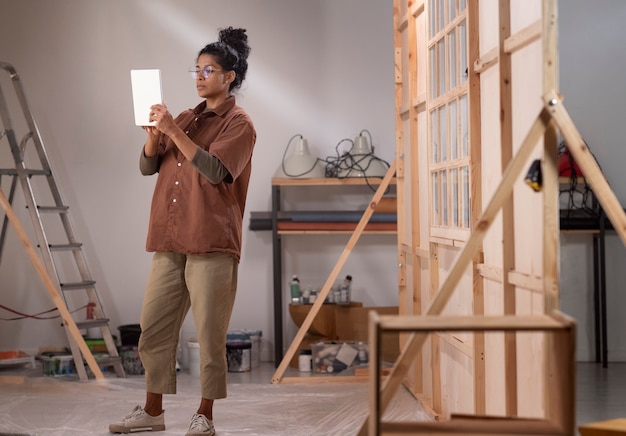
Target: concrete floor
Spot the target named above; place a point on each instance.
(31, 404)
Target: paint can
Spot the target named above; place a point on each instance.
(238, 356)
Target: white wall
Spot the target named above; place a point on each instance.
(320, 68)
(592, 68)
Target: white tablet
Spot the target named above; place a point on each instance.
(147, 91)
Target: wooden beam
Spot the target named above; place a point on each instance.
(508, 207)
(442, 323)
(476, 203)
(524, 37)
(588, 165)
(558, 325)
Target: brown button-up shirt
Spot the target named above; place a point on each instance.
(189, 214)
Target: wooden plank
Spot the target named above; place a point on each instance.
(588, 165)
(51, 288)
(555, 394)
(440, 323)
(473, 427)
(561, 375)
(487, 60)
(524, 37)
(316, 379)
(333, 275)
(476, 204)
(375, 339)
(508, 213)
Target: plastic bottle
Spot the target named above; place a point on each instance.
(344, 290)
(294, 287)
(305, 361)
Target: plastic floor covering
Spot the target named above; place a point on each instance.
(31, 404)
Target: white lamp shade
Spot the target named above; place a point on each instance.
(364, 163)
(300, 164)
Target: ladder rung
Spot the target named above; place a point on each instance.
(58, 209)
(108, 360)
(29, 172)
(89, 323)
(65, 247)
(79, 285)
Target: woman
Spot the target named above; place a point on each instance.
(203, 158)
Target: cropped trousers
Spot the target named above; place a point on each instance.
(207, 284)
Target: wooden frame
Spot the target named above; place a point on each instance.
(560, 390)
(560, 412)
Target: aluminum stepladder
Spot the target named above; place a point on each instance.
(60, 250)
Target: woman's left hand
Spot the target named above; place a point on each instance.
(164, 121)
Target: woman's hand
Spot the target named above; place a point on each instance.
(164, 122)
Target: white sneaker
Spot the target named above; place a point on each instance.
(200, 425)
(139, 420)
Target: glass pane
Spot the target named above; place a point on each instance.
(463, 51)
(434, 136)
(462, 5)
(433, 72)
(466, 198)
(440, 15)
(443, 133)
(464, 128)
(451, 10)
(452, 58)
(454, 143)
(441, 62)
(454, 203)
(444, 197)
(432, 15)
(435, 200)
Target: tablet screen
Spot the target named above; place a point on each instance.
(146, 86)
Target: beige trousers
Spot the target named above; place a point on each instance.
(206, 284)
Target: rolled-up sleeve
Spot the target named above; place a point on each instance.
(148, 165)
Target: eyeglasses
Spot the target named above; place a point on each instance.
(204, 72)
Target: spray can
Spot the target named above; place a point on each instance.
(294, 287)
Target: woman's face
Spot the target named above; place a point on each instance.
(216, 82)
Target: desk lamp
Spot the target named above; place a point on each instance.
(300, 164)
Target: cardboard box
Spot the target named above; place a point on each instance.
(614, 427)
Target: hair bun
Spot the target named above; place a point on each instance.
(237, 39)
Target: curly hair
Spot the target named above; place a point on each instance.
(231, 53)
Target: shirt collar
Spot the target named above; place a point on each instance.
(220, 110)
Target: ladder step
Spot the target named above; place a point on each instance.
(89, 323)
(65, 247)
(29, 172)
(78, 285)
(108, 360)
(57, 209)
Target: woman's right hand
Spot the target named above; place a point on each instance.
(151, 130)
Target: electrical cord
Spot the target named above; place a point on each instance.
(573, 191)
(37, 315)
(347, 163)
(344, 162)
